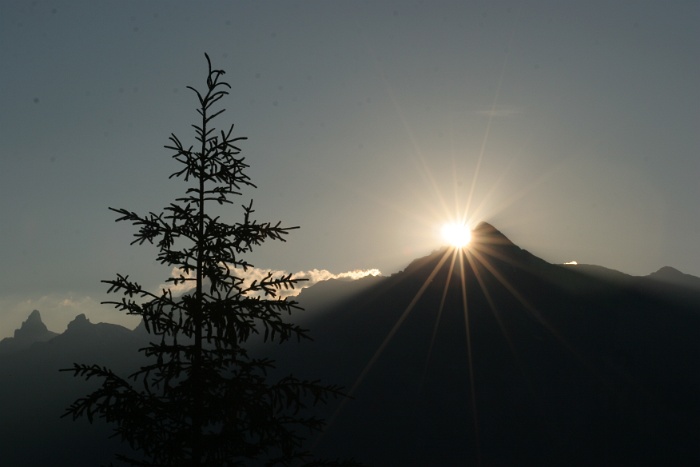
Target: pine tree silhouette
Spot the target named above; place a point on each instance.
(203, 399)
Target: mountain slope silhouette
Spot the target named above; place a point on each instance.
(567, 367)
(561, 365)
(34, 395)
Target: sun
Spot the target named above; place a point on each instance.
(456, 234)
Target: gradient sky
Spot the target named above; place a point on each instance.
(573, 127)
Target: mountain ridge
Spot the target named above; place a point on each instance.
(546, 365)
(551, 356)
(485, 236)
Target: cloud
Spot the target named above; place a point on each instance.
(310, 277)
(181, 287)
(59, 309)
(307, 278)
(314, 276)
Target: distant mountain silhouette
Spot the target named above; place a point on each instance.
(34, 394)
(570, 365)
(671, 275)
(32, 330)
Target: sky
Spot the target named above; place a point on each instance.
(573, 127)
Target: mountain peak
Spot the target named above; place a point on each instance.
(34, 315)
(485, 233)
(33, 326)
(79, 322)
(486, 239)
(667, 271)
(32, 330)
(671, 275)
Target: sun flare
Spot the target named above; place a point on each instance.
(456, 234)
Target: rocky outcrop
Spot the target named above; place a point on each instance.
(32, 330)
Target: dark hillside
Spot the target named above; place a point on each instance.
(561, 365)
(569, 367)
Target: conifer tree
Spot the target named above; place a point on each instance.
(203, 398)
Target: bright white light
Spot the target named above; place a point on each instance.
(457, 235)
